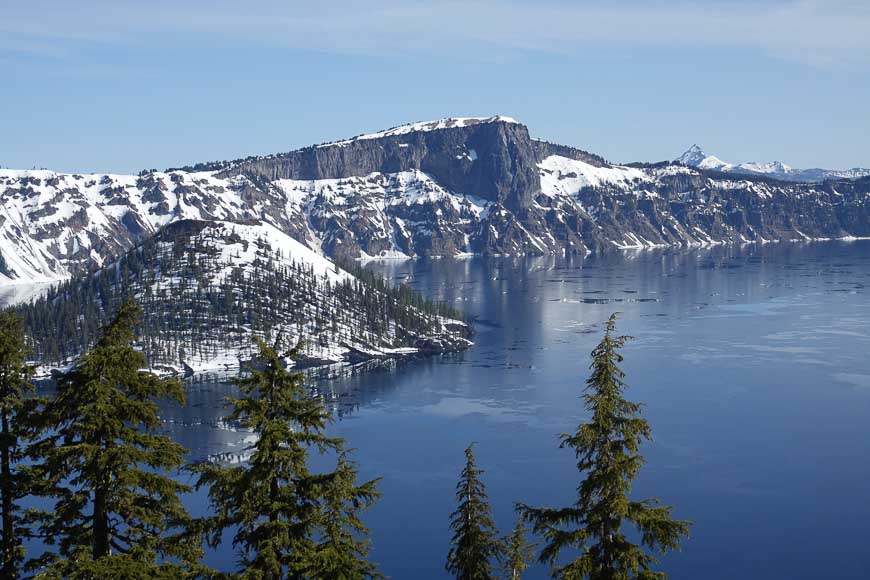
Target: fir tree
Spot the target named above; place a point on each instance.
(15, 376)
(342, 549)
(288, 521)
(517, 551)
(607, 451)
(115, 507)
(475, 543)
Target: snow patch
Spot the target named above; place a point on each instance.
(562, 176)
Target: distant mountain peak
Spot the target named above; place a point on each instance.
(769, 167)
(696, 157)
(693, 156)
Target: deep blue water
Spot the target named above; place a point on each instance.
(753, 364)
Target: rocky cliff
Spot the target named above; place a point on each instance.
(493, 159)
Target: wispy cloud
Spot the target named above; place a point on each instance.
(816, 32)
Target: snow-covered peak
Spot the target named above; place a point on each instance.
(692, 156)
(696, 157)
(448, 123)
(713, 162)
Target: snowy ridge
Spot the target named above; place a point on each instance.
(497, 193)
(695, 156)
(448, 123)
(53, 223)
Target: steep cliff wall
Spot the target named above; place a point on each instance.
(492, 159)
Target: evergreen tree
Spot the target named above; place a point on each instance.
(288, 521)
(340, 553)
(607, 452)
(517, 551)
(15, 376)
(116, 512)
(475, 543)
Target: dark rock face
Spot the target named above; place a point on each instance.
(698, 209)
(495, 161)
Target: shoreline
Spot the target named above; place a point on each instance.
(367, 259)
(233, 363)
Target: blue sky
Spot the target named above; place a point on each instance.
(120, 86)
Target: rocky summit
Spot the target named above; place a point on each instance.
(441, 188)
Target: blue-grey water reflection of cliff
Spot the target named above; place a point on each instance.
(752, 363)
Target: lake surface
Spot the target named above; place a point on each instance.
(753, 364)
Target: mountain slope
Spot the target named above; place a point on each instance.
(441, 188)
(55, 224)
(206, 286)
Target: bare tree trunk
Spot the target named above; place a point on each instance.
(101, 524)
(8, 547)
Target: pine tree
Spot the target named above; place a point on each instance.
(517, 551)
(475, 543)
(340, 551)
(607, 452)
(15, 377)
(116, 509)
(288, 521)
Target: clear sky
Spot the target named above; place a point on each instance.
(111, 85)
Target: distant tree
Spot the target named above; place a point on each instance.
(607, 451)
(117, 514)
(518, 552)
(475, 543)
(288, 521)
(15, 482)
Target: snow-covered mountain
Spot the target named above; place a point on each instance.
(206, 286)
(695, 156)
(439, 188)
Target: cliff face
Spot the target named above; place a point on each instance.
(494, 160)
(444, 188)
(690, 209)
